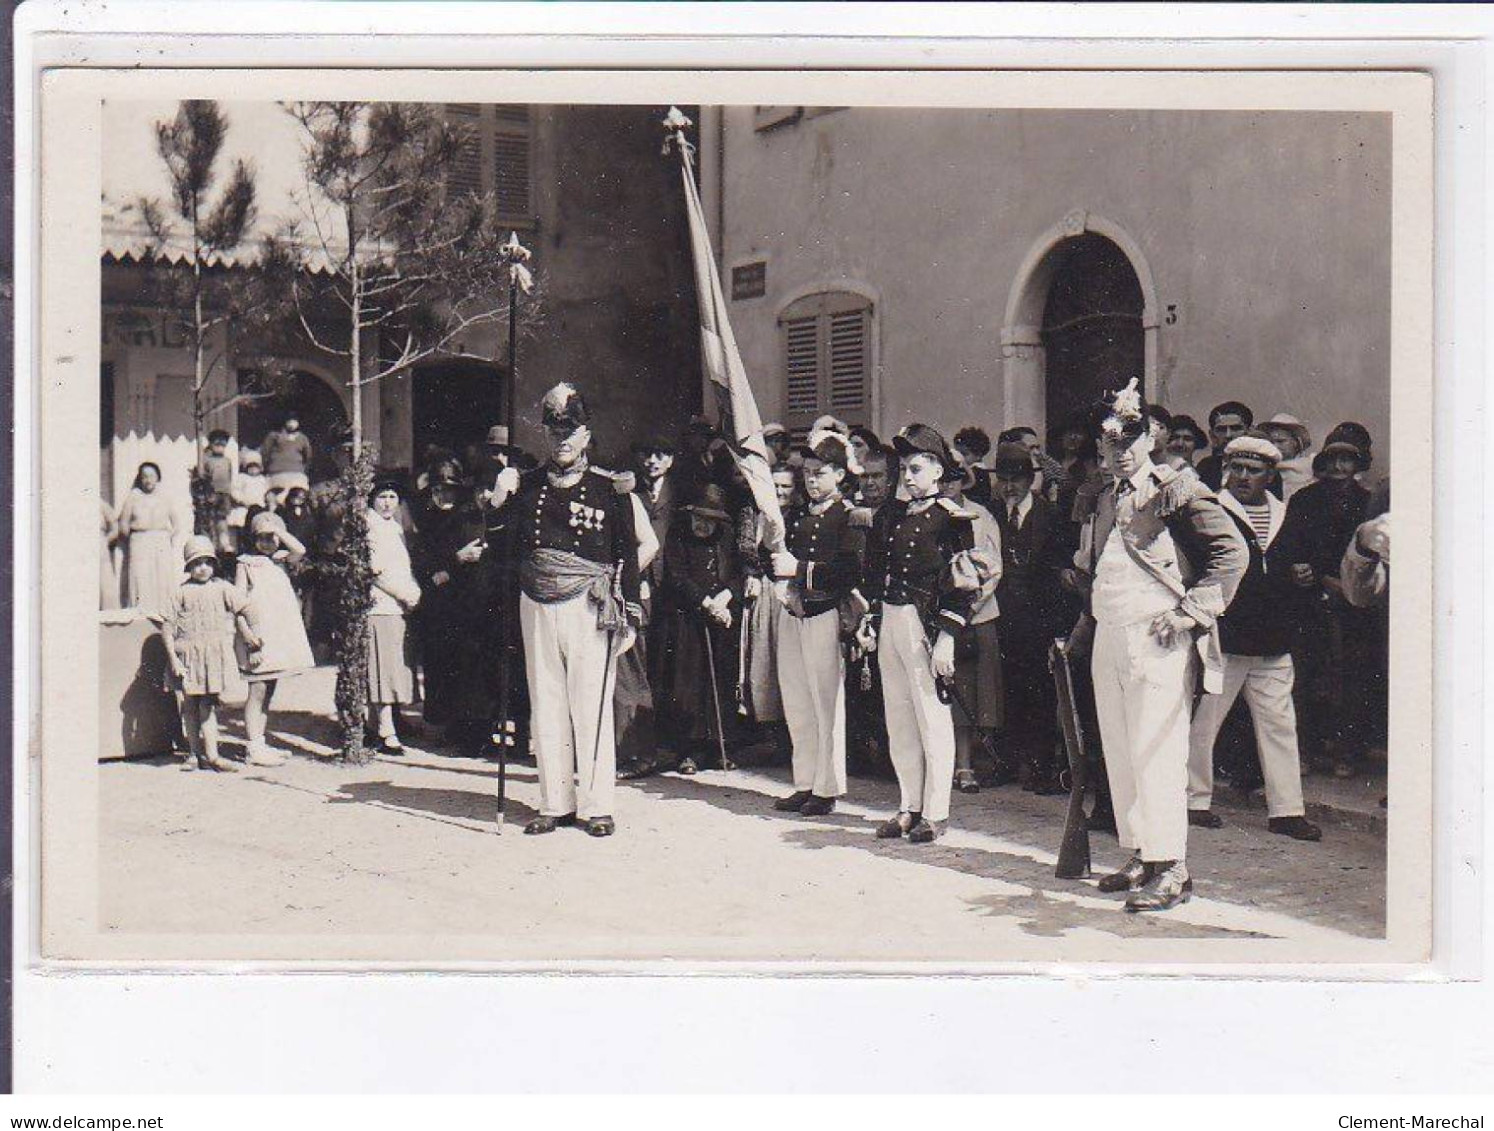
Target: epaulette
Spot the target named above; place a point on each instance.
(1176, 488)
(955, 510)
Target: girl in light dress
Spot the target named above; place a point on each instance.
(274, 616)
(391, 674)
(147, 522)
(250, 487)
(199, 625)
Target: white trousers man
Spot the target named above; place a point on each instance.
(920, 729)
(1143, 696)
(811, 679)
(566, 654)
(1267, 683)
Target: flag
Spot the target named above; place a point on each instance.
(741, 425)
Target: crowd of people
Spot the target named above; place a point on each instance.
(649, 618)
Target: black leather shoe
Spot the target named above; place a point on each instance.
(687, 766)
(1168, 887)
(817, 806)
(925, 832)
(794, 802)
(1205, 819)
(1129, 878)
(601, 826)
(543, 824)
(895, 827)
(1298, 828)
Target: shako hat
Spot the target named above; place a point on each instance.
(1125, 416)
(832, 447)
(564, 407)
(920, 439)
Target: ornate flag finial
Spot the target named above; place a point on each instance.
(516, 255)
(675, 124)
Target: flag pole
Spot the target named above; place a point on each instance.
(516, 257)
(741, 424)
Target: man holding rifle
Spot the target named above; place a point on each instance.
(579, 610)
(1165, 558)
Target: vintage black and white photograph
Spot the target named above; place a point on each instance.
(642, 524)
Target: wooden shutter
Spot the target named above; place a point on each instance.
(511, 164)
(465, 175)
(827, 359)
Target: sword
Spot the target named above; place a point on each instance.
(596, 745)
(741, 661)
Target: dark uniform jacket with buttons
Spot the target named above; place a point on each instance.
(909, 561)
(829, 547)
(590, 519)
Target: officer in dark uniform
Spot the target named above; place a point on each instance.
(822, 565)
(922, 587)
(578, 609)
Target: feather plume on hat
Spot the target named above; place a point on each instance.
(832, 447)
(563, 405)
(1127, 417)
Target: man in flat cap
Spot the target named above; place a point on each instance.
(578, 609)
(920, 600)
(822, 565)
(1256, 633)
(1165, 558)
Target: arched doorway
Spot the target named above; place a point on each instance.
(1092, 337)
(1081, 317)
(323, 416)
(454, 404)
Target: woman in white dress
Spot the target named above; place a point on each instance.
(147, 522)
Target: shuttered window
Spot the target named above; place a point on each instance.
(827, 359)
(495, 157)
(465, 175)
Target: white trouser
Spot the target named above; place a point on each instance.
(1143, 696)
(566, 654)
(811, 679)
(1267, 683)
(920, 729)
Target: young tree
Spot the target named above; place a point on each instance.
(205, 295)
(409, 267)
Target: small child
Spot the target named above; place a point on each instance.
(248, 494)
(274, 615)
(199, 626)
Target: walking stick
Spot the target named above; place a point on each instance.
(726, 763)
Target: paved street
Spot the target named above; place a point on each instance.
(700, 867)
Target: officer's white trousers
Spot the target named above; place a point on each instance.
(812, 681)
(1144, 696)
(566, 655)
(920, 729)
(1267, 683)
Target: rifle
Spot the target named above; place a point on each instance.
(1073, 853)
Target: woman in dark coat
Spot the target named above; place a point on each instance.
(448, 556)
(702, 595)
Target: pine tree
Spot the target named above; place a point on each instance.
(411, 267)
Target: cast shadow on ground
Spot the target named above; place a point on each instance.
(1037, 913)
(445, 804)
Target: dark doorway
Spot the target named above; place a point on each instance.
(1092, 336)
(315, 403)
(455, 403)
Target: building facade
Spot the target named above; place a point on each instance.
(588, 193)
(1002, 267)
